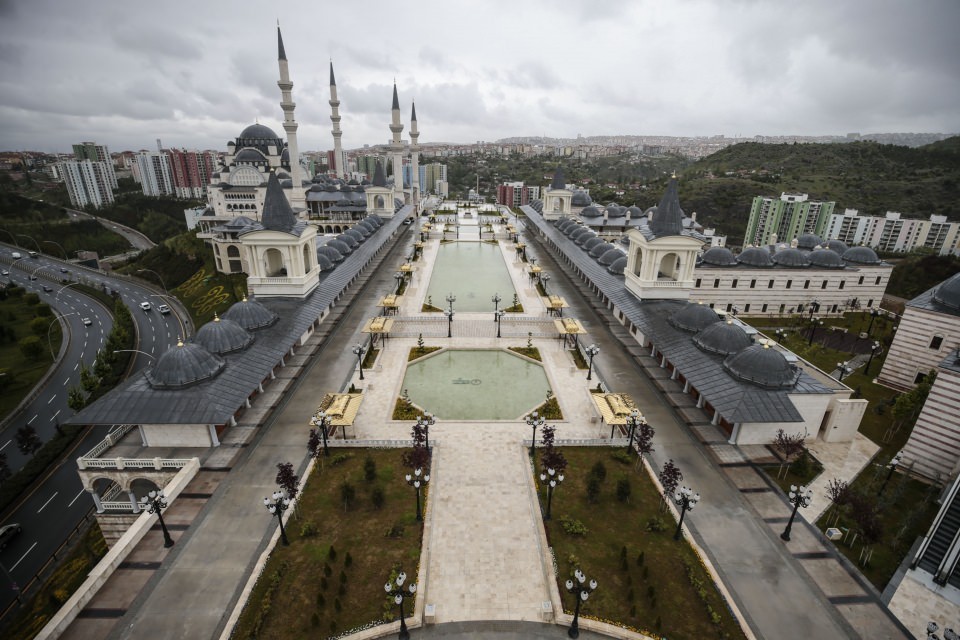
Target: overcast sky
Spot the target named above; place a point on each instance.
(194, 73)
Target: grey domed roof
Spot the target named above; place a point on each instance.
(355, 234)
(580, 198)
(836, 245)
(537, 205)
(861, 255)
(591, 212)
(330, 252)
(694, 317)
(591, 243)
(324, 262)
(826, 259)
(762, 366)
(583, 237)
(250, 314)
(719, 257)
(722, 338)
(611, 256)
(349, 240)
(222, 336)
(793, 258)
(948, 293)
(340, 246)
(258, 131)
(617, 266)
(600, 249)
(250, 155)
(563, 223)
(808, 241)
(579, 231)
(755, 257)
(183, 365)
(376, 219)
(634, 211)
(362, 230)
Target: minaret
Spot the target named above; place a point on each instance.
(414, 158)
(335, 118)
(396, 145)
(290, 126)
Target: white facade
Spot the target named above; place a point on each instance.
(934, 444)
(87, 182)
(924, 338)
(156, 174)
(280, 264)
(892, 232)
(661, 268)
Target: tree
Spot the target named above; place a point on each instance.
(788, 446)
(4, 468)
(419, 456)
(670, 478)
(38, 326)
(76, 400)
(838, 491)
(287, 479)
(30, 347)
(866, 515)
(644, 439)
(88, 380)
(27, 440)
(551, 458)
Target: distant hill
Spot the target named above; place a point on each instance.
(873, 178)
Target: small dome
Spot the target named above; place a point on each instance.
(222, 336)
(340, 246)
(349, 240)
(793, 258)
(324, 262)
(537, 205)
(719, 257)
(635, 211)
(583, 237)
(250, 155)
(836, 245)
(250, 314)
(694, 317)
(591, 243)
(826, 259)
(363, 230)
(375, 219)
(580, 198)
(861, 255)
(755, 257)
(564, 223)
(355, 234)
(948, 293)
(332, 254)
(579, 231)
(610, 256)
(808, 241)
(600, 249)
(722, 338)
(618, 266)
(591, 212)
(258, 131)
(762, 366)
(184, 365)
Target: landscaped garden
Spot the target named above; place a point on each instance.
(26, 324)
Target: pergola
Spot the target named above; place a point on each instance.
(342, 409)
(555, 305)
(390, 304)
(379, 326)
(535, 272)
(614, 408)
(568, 327)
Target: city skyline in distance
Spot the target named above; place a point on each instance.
(196, 74)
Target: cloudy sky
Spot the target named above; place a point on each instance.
(194, 73)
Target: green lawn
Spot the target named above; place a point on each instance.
(22, 373)
(305, 591)
(647, 581)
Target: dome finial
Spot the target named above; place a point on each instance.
(179, 341)
(216, 317)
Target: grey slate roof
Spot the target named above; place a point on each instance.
(216, 400)
(558, 180)
(333, 81)
(379, 177)
(413, 112)
(222, 335)
(396, 100)
(737, 401)
(667, 221)
(277, 213)
(943, 298)
(282, 55)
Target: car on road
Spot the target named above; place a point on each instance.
(5, 272)
(47, 288)
(408, 221)
(64, 270)
(87, 322)
(16, 255)
(164, 309)
(8, 533)
(33, 277)
(145, 306)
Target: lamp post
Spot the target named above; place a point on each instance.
(496, 305)
(686, 500)
(798, 497)
(814, 323)
(276, 505)
(156, 502)
(500, 315)
(874, 350)
(844, 369)
(948, 633)
(162, 284)
(426, 421)
(321, 421)
(534, 420)
(358, 350)
(551, 479)
(533, 261)
(23, 235)
(873, 316)
(635, 419)
(399, 595)
(398, 276)
(544, 279)
(450, 300)
(592, 350)
(581, 589)
(50, 326)
(65, 257)
(781, 334)
(894, 462)
(12, 237)
(417, 480)
(449, 314)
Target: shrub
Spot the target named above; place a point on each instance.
(308, 530)
(340, 458)
(377, 497)
(655, 525)
(593, 489)
(623, 489)
(598, 471)
(640, 559)
(395, 531)
(315, 619)
(572, 527)
(622, 456)
(369, 469)
(348, 494)
(327, 570)
(331, 554)
(348, 560)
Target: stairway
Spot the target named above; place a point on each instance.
(941, 541)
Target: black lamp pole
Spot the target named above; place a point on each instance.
(358, 351)
(581, 589)
(417, 480)
(894, 462)
(276, 505)
(686, 500)
(551, 479)
(156, 502)
(496, 304)
(534, 420)
(399, 595)
(798, 497)
(322, 421)
(592, 350)
(499, 317)
(874, 348)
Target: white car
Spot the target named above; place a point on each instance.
(87, 322)
(5, 272)
(164, 309)
(145, 306)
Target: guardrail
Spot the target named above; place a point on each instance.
(112, 438)
(133, 463)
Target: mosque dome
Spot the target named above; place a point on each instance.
(793, 258)
(601, 249)
(580, 198)
(355, 234)
(583, 237)
(836, 245)
(635, 211)
(376, 219)
(722, 338)
(765, 367)
(578, 232)
(537, 205)
(618, 266)
(258, 131)
(719, 257)
(362, 231)
(250, 314)
(825, 259)
(694, 317)
(348, 240)
(330, 252)
(324, 262)
(222, 336)
(861, 255)
(755, 257)
(340, 246)
(250, 155)
(591, 243)
(184, 365)
(948, 293)
(808, 241)
(564, 223)
(591, 212)
(610, 256)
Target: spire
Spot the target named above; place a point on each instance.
(396, 100)
(413, 110)
(333, 80)
(379, 177)
(282, 55)
(558, 180)
(277, 213)
(667, 221)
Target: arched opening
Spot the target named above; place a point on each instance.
(307, 261)
(233, 251)
(557, 204)
(378, 202)
(669, 267)
(233, 259)
(639, 262)
(273, 263)
(142, 486)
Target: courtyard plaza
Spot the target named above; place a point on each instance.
(485, 568)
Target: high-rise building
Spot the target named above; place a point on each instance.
(788, 217)
(891, 232)
(516, 194)
(430, 175)
(88, 182)
(96, 153)
(191, 171)
(156, 175)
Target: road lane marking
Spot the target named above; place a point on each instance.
(76, 366)
(32, 419)
(65, 381)
(48, 501)
(52, 398)
(82, 491)
(5, 446)
(22, 557)
(55, 415)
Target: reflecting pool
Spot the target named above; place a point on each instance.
(473, 272)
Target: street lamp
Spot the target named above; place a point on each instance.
(156, 502)
(276, 505)
(948, 633)
(581, 589)
(686, 500)
(426, 421)
(798, 497)
(496, 304)
(873, 316)
(399, 595)
(894, 462)
(781, 334)
(500, 315)
(399, 278)
(65, 257)
(449, 314)
(814, 323)
(533, 261)
(12, 237)
(635, 419)
(544, 279)
(417, 480)
(533, 421)
(358, 351)
(23, 235)
(321, 422)
(874, 349)
(592, 350)
(50, 326)
(162, 284)
(844, 369)
(551, 479)
(450, 300)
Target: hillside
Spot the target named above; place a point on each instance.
(873, 178)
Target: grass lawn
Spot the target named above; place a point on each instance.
(305, 591)
(208, 292)
(647, 580)
(22, 373)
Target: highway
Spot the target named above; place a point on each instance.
(55, 507)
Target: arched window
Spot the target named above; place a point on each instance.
(273, 263)
(233, 251)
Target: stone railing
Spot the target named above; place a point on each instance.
(112, 438)
(133, 463)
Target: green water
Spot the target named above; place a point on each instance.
(473, 272)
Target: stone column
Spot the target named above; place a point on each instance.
(96, 499)
(133, 501)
